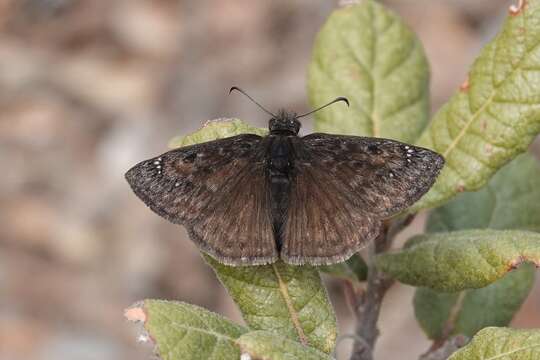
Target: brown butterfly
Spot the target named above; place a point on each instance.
(316, 199)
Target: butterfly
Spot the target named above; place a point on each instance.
(316, 199)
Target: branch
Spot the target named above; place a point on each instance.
(367, 304)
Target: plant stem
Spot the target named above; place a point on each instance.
(368, 303)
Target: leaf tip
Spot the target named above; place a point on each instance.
(136, 313)
(516, 9)
(464, 87)
(514, 264)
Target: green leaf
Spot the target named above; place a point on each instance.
(354, 269)
(501, 344)
(288, 300)
(216, 129)
(460, 260)
(495, 115)
(511, 200)
(444, 314)
(269, 346)
(186, 332)
(366, 53)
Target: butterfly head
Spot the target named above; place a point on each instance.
(284, 123)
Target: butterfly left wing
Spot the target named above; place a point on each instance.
(343, 186)
(218, 190)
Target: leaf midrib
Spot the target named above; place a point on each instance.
(284, 291)
(463, 130)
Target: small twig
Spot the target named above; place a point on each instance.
(368, 303)
(443, 351)
(368, 310)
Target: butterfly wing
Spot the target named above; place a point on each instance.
(218, 190)
(343, 187)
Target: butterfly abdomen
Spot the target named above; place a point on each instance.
(280, 163)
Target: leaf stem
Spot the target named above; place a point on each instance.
(453, 316)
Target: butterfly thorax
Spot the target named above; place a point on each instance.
(284, 123)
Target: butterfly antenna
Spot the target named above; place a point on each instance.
(341, 98)
(250, 98)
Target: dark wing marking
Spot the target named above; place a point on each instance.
(341, 189)
(218, 191)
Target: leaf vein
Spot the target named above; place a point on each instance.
(294, 316)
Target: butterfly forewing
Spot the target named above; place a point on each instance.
(341, 189)
(381, 176)
(218, 190)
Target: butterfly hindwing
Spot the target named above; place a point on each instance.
(322, 225)
(218, 190)
(343, 186)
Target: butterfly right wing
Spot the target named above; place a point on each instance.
(218, 190)
(381, 176)
(343, 186)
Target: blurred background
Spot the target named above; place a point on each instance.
(90, 87)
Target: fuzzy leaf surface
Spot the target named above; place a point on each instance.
(460, 260)
(187, 332)
(366, 53)
(290, 301)
(496, 113)
(501, 344)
